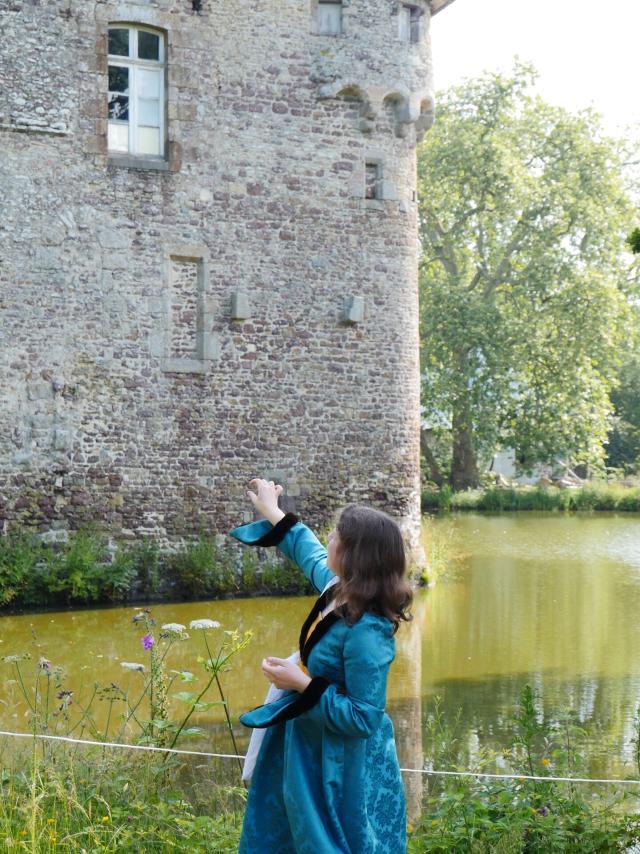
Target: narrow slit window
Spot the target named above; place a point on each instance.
(410, 23)
(136, 91)
(372, 180)
(329, 17)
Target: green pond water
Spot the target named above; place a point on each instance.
(550, 600)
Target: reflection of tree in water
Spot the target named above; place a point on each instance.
(118, 107)
(603, 707)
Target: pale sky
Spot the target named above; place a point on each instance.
(586, 51)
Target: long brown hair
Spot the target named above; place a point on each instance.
(372, 566)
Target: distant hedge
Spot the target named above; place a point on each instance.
(597, 496)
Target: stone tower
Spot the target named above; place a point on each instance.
(208, 261)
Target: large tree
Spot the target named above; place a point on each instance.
(525, 285)
(623, 444)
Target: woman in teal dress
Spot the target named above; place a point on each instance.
(326, 779)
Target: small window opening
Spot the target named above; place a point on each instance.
(136, 91)
(372, 180)
(410, 23)
(329, 17)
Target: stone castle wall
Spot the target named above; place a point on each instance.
(170, 330)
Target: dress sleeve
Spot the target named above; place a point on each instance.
(302, 546)
(294, 540)
(357, 710)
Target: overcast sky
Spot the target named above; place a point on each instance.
(587, 51)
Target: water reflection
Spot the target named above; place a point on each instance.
(548, 600)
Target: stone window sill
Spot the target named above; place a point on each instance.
(376, 204)
(149, 163)
(185, 366)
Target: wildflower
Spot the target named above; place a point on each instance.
(105, 819)
(546, 761)
(50, 821)
(45, 664)
(132, 665)
(178, 628)
(147, 641)
(173, 630)
(14, 659)
(204, 624)
(138, 618)
(63, 693)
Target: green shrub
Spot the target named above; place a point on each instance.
(283, 576)
(147, 560)
(20, 554)
(74, 571)
(193, 569)
(630, 501)
(118, 578)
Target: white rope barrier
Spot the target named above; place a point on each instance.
(152, 748)
(119, 745)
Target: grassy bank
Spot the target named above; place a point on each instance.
(88, 569)
(61, 798)
(595, 496)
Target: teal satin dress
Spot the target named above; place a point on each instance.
(327, 779)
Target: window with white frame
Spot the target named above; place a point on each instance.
(329, 17)
(409, 23)
(136, 91)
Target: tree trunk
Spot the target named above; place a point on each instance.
(434, 469)
(464, 466)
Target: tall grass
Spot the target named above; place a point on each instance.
(65, 798)
(81, 800)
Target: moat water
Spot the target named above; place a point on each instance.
(548, 600)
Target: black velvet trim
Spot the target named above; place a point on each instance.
(307, 700)
(318, 606)
(275, 535)
(319, 632)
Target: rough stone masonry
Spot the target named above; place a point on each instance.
(239, 300)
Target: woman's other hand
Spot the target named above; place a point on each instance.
(285, 674)
(265, 498)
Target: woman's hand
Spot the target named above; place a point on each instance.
(265, 498)
(285, 674)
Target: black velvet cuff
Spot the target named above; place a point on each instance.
(275, 535)
(307, 700)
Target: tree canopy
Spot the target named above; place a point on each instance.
(526, 281)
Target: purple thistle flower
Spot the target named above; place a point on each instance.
(147, 641)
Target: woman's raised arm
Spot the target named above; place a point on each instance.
(283, 530)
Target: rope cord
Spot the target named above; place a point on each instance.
(152, 748)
